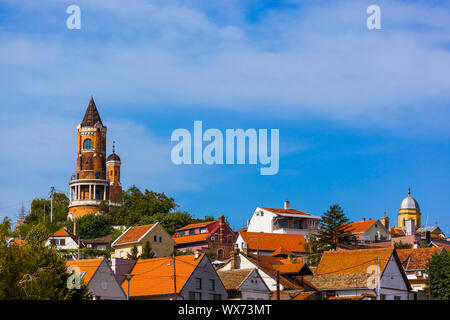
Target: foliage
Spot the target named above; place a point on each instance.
(137, 205)
(438, 270)
(208, 218)
(35, 272)
(334, 229)
(401, 245)
(147, 252)
(314, 249)
(92, 226)
(86, 253)
(133, 254)
(183, 253)
(38, 234)
(170, 221)
(40, 211)
(5, 228)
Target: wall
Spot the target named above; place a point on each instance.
(261, 223)
(103, 284)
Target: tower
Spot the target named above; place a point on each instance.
(113, 171)
(409, 209)
(90, 186)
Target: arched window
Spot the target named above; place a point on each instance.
(87, 144)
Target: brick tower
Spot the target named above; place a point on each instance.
(92, 183)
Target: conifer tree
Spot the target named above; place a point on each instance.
(147, 252)
(133, 254)
(334, 229)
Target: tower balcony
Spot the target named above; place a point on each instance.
(88, 192)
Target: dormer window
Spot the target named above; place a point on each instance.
(87, 144)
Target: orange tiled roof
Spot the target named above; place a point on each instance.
(305, 296)
(133, 234)
(196, 225)
(352, 261)
(442, 244)
(395, 231)
(289, 268)
(416, 259)
(273, 241)
(193, 238)
(281, 251)
(155, 276)
(61, 233)
(16, 241)
(286, 211)
(89, 266)
(361, 226)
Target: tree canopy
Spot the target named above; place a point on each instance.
(438, 270)
(92, 226)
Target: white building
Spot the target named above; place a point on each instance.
(285, 221)
(244, 284)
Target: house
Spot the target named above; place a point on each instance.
(441, 244)
(195, 278)
(272, 243)
(244, 284)
(214, 237)
(414, 262)
(64, 239)
(352, 273)
(160, 241)
(283, 221)
(292, 275)
(99, 277)
(367, 231)
(101, 243)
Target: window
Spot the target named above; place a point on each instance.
(97, 175)
(87, 144)
(203, 230)
(111, 173)
(160, 239)
(121, 253)
(220, 253)
(195, 295)
(382, 297)
(198, 283)
(191, 232)
(213, 296)
(212, 284)
(155, 239)
(297, 224)
(103, 147)
(284, 224)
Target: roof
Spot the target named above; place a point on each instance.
(273, 241)
(305, 296)
(290, 268)
(232, 279)
(113, 157)
(442, 244)
(87, 266)
(15, 241)
(102, 240)
(196, 225)
(395, 231)
(155, 276)
(416, 259)
(91, 117)
(133, 234)
(431, 229)
(193, 238)
(361, 226)
(352, 261)
(286, 211)
(281, 251)
(409, 202)
(362, 296)
(341, 281)
(62, 233)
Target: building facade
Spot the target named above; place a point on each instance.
(97, 176)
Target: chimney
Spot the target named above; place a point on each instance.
(363, 219)
(221, 229)
(286, 204)
(234, 262)
(385, 222)
(410, 227)
(428, 236)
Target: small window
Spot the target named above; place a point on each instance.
(87, 144)
(155, 239)
(111, 173)
(203, 230)
(212, 284)
(214, 296)
(192, 232)
(195, 295)
(160, 239)
(103, 147)
(284, 224)
(97, 175)
(198, 283)
(121, 253)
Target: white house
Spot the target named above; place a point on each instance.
(244, 284)
(286, 221)
(357, 273)
(63, 239)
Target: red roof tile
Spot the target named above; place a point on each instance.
(286, 211)
(273, 241)
(133, 234)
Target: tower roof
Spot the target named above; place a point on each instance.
(91, 117)
(409, 202)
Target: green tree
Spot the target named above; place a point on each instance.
(334, 229)
(314, 249)
(147, 252)
(40, 211)
(133, 254)
(35, 272)
(170, 221)
(38, 234)
(5, 228)
(438, 270)
(137, 204)
(401, 245)
(92, 226)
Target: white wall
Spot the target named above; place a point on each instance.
(261, 221)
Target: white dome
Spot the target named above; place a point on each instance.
(409, 202)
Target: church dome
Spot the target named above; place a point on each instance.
(409, 202)
(113, 157)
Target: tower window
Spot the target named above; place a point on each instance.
(87, 144)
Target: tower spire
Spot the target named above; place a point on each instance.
(114, 147)
(91, 117)
(409, 191)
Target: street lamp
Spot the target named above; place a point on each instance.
(128, 277)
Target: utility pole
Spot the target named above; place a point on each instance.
(174, 278)
(79, 253)
(278, 284)
(52, 191)
(379, 280)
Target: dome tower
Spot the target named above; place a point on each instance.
(409, 209)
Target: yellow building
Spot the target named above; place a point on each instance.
(160, 241)
(409, 209)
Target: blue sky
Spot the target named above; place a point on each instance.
(363, 114)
